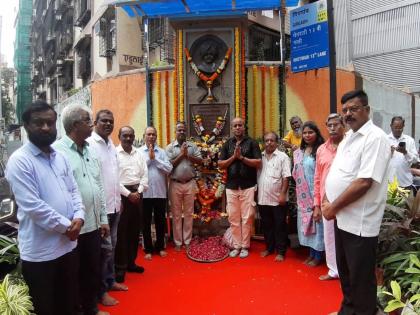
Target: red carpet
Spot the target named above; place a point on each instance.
(255, 285)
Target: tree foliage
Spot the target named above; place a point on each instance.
(7, 82)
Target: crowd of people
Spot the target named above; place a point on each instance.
(83, 202)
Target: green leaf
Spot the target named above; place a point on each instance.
(412, 270)
(393, 305)
(415, 297)
(396, 290)
(415, 260)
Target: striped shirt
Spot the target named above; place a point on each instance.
(270, 177)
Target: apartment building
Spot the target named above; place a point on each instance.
(52, 49)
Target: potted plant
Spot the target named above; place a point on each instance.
(398, 252)
(14, 296)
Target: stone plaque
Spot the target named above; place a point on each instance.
(209, 114)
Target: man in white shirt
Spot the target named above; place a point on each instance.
(355, 195)
(404, 153)
(106, 153)
(133, 182)
(273, 185)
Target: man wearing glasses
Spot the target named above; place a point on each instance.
(77, 122)
(355, 195)
(324, 157)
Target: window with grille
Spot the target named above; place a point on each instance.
(264, 44)
(162, 35)
(107, 35)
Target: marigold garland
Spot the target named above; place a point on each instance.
(181, 75)
(175, 95)
(271, 106)
(167, 108)
(219, 70)
(237, 73)
(254, 99)
(159, 107)
(263, 109)
(243, 77)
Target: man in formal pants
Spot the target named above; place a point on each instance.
(51, 214)
(154, 199)
(324, 158)
(101, 143)
(183, 155)
(86, 168)
(133, 183)
(355, 189)
(273, 185)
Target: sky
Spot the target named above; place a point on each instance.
(8, 9)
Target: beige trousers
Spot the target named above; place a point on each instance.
(241, 209)
(181, 197)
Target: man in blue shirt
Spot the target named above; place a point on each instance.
(51, 214)
(154, 199)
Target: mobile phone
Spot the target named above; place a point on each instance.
(401, 145)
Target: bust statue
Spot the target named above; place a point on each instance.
(208, 52)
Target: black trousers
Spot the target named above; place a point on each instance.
(356, 260)
(128, 235)
(89, 250)
(274, 226)
(53, 284)
(155, 207)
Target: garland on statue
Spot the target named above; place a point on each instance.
(208, 79)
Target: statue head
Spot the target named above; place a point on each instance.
(208, 52)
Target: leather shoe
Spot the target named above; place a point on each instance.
(135, 268)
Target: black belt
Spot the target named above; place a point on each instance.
(182, 181)
(132, 187)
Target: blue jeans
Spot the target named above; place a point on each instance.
(108, 253)
(316, 254)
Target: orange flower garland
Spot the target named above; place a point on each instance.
(254, 99)
(159, 108)
(263, 109)
(272, 92)
(168, 127)
(175, 82)
(181, 75)
(243, 83)
(237, 73)
(208, 80)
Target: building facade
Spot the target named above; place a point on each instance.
(22, 56)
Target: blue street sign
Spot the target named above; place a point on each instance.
(309, 36)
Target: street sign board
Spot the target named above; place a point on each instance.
(309, 36)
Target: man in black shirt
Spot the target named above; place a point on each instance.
(241, 156)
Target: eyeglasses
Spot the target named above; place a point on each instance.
(353, 109)
(333, 116)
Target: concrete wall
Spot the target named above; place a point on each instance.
(384, 102)
(307, 94)
(125, 96)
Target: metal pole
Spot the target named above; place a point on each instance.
(148, 88)
(332, 68)
(282, 15)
